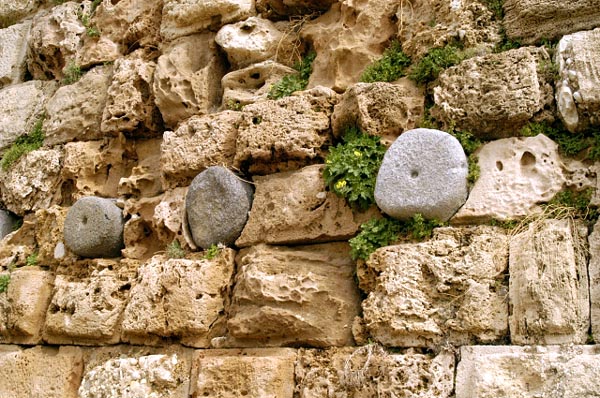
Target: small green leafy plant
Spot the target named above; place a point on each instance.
(4, 282)
(72, 73)
(495, 6)
(579, 201)
(32, 259)
(390, 67)
(24, 144)
(435, 61)
(569, 144)
(296, 82)
(174, 250)
(212, 252)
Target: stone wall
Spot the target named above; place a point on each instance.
(139, 99)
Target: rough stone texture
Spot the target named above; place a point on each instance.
(370, 371)
(495, 95)
(169, 214)
(144, 179)
(13, 48)
(31, 182)
(578, 90)
(277, 9)
(47, 372)
(259, 373)
(7, 223)
(286, 134)
(94, 228)
(13, 10)
(49, 237)
(183, 298)
(533, 20)
(302, 295)
(549, 284)
(198, 143)
(23, 306)
(187, 80)
(424, 171)
(544, 372)
(217, 206)
(516, 175)
(449, 289)
(74, 113)
(183, 17)
(594, 274)
(382, 109)
(296, 207)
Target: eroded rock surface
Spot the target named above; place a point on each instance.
(278, 9)
(13, 49)
(594, 273)
(12, 10)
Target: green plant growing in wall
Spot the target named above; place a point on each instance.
(435, 61)
(4, 282)
(390, 67)
(585, 144)
(174, 250)
(72, 73)
(24, 144)
(212, 252)
(296, 82)
(32, 259)
(578, 202)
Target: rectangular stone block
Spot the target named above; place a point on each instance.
(13, 50)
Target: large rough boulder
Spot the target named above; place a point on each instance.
(424, 171)
(495, 95)
(449, 289)
(13, 50)
(13, 10)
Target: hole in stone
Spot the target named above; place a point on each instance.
(84, 220)
(255, 76)
(528, 159)
(499, 165)
(414, 173)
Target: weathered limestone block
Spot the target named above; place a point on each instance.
(140, 234)
(13, 50)
(533, 20)
(259, 373)
(296, 207)
(286, 134)
(594, 273)
(370, 371)
(127, 371)
(545, 372)
(13, 10)
(383, 109)
(48, 372)
(449, 289)
(493, 96)
(21, 107)
(18, 245)
(282, 9)
(49, 236)
(198, 143)
(145, 177)
(31, 183)
(302, 295)
(183, 17)
(549, 284)
(74, 113)
(182, 298)
(578, 90)
(516, 175)
(169, 214)
(23, 305)
(187, 79)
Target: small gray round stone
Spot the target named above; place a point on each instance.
(94, 228)
(424, 171)
(217, 206)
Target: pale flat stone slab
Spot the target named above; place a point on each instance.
(13, 51)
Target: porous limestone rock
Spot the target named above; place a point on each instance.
(282, 9)
(74, 113)
(516, 175)
(198, 143)
(424, 171)
(145, 177)
(544, 372)
(23, 305)
(548, 289)
(31, 183)
(296, 207)
(449, 289)
(49, 237)
(42, 371)
(594, 274)
(183, 298)
(13, 10)
(183, 17)
(495, 95)
(302, 295)
(7, 223)
(169, 214)
(13, 49)
(533, 20)
(578, 90)
(187, 79)
(383, 109)
(259, 373)
(286, 134)
(371, 371)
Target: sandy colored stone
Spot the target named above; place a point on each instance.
(23, 305)
(259, 373)
(286, 134)
(302, 295)
(594, 274)
(13, 49)
(548, 290)
(144, 179)
(198, 143)
(528, 372)
(187, 79)
(169, 214)
(277, 9)
(296, 207)
(449, 289)
(13, 10)
(371, 371)
(49, 372)
(516, 175)
(49, 236)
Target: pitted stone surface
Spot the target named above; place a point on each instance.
(424, 171)
(594, 273)
(277, 9)
(94, 228)
(13, 49)
(217, 206)
(13, 10)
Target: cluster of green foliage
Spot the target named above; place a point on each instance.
(32, 259)
(506, 224)
(212, 252)
(505, 43)
(585, 144)
(435, 61)
(579, 201)
(234, 105)
(351, 167)
(72, 73)
(174, 250)
(24, 144)
(390, 67)
(296, 82)
(4, 282)
(495, 6)
(377, 233)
